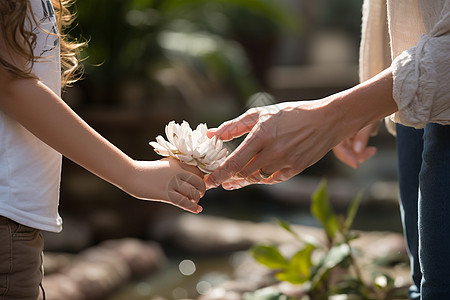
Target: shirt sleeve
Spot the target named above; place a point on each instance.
(421, 77)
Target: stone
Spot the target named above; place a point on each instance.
(141, 257)
(96, 272)
(202, 234)
(61, 286)
(207, 234)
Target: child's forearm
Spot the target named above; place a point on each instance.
(49, 118)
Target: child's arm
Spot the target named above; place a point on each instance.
(48, 117)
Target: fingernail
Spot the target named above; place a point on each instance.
(358, 146)
(210, 183)
(208, 187)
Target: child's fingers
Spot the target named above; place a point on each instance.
(192, 169)
(185, 192)
(188, 191)
(194, 181)
(184, 202)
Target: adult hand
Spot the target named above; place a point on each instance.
(169, 181)
(354, 150)
(283, 139)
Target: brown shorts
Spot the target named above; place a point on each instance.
(21, 262)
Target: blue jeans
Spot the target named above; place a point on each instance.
(424, 180)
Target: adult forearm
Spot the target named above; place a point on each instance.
(365, 103)
(49, 118)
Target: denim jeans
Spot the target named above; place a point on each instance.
(424, 180)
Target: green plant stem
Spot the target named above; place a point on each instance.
(365, 290)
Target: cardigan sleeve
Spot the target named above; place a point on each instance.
(421, 77)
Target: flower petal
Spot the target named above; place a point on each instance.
(170, 130)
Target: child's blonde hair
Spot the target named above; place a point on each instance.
(13, 14)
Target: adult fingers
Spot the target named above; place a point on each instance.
(366, 154)
(262, 165)
(346, 155)
(237, 127)
(236, 184)
(235, 161)
(256, 178)
(361, 139)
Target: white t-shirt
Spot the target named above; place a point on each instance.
(30, 170)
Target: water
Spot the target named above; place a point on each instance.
(260, 205)
(197, 275)
(175, 283)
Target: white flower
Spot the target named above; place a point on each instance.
(191, 146)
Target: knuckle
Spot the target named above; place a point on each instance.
(261, 136)
(254, 113)
(202, 187)
(253, 179)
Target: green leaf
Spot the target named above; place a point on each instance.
(286, 226)
(336, 255)
(299, 269)
(269, 256)
(268, 293)
(332, 258)
(272, 10)
(352, 210)
(301, 261)
(307, 239)
(291, 277)
(322, 210)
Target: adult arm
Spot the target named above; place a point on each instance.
(286, 138)
(421, 77)
(421, 86)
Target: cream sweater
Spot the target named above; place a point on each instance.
(413, 36)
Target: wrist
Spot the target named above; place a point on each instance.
(364, 104)
(122, 173)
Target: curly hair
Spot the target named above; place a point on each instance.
(18, 40)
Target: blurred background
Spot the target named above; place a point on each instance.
(204, 61)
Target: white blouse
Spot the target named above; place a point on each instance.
(413, 36)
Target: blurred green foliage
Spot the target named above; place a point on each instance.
(343, 14)
(132, 39)
(336, 271)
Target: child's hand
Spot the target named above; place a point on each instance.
(169, 181)
(30, 103)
